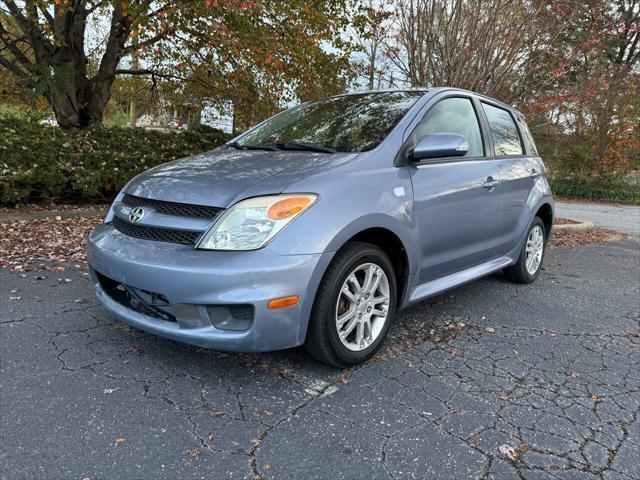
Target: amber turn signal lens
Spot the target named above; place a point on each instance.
(283, 302)
(288, 207)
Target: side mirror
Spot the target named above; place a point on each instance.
(436, 145)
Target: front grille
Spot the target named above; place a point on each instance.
(172, 208)
(155, 233)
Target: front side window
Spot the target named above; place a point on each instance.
(506, 139)
(349, 123)
(453, 115)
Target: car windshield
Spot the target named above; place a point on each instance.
(349, 123)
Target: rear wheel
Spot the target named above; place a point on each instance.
(529, 262)
(354, 306)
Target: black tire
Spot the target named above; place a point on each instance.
(322, 337)
(518, 272)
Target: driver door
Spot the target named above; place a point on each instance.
(456, 199)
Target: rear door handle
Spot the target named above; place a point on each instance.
(534, 173)
(490, 183)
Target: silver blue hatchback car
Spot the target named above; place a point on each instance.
(317, 225)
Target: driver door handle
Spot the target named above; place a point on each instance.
(490, 183)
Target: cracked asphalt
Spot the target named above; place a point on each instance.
(549, 372)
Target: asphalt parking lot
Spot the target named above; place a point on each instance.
(493, 380)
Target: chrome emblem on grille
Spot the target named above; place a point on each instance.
(136, 214)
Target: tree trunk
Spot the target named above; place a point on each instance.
(79, 106)
(77, 100)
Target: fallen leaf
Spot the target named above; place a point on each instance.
(194, 453)
(134, 351)
(211, 436)
(270, 413)
(508, 452)
(575, 374)
(596, 399)
(255, 442)
(503, 396)
(215, 413)
(109, 391)
(120, 440)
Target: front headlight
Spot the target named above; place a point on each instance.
(251, 223)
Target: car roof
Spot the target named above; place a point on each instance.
(433, 90)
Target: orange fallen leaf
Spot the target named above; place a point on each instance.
(120, 440)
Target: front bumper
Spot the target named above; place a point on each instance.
(191, 280)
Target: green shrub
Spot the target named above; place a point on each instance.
(595, 191)
(44, 164)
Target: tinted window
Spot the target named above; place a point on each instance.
(506, 139)
(350, 123)
(453, 115)
(528, 138)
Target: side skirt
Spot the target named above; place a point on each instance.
(434, 287)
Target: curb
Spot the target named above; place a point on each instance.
(574, 227)
(6, 217)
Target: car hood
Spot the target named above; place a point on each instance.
(221, 177)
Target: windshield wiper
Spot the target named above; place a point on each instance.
(237, 146)
(311, 147)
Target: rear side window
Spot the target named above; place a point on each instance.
(453, 115)
(526, 134)
(506, 139)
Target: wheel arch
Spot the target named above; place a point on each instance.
(545, 212)
(391, 244)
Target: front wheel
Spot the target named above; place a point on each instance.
(529, 262)
(354, 306)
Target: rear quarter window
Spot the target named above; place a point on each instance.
(526, 135)
(505, 135)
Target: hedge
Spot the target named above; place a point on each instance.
(46, 164)
(595, 191)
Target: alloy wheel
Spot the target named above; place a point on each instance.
(362, 307)
(534, 250)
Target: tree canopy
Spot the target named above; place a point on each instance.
(251, 53)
